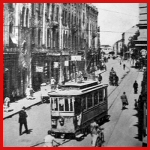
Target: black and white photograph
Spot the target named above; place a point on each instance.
(75, 75)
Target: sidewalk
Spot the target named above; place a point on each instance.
(15, 107)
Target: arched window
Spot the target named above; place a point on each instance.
(39, 37)
(48, 36)
(33, 7)
(27, 18)
(23, 16)
(57, 14)
(53, 8)
(57, 38)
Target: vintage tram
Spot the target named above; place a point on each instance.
(75, 105)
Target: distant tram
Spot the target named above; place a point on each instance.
(75, 105)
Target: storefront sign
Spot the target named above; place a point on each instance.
(66, 63)
(76, 58)
(56, 64)
(39, 69)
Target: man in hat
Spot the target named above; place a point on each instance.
(23, 120)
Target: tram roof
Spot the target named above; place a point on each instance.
(74, 89)
(77, 85)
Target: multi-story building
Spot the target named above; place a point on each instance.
(40, 40)
(127, 41)
(16, 48)
(141, 47)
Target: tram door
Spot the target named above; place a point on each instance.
(78, 111)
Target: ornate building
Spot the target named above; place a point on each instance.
(40, 38)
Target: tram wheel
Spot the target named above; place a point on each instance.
(98, 142)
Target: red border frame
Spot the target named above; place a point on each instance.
(58, 1)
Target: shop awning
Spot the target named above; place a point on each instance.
(13, 38)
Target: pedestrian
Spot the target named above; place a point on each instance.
(53, 82)
(120, 62)
(94, 134)
(124, 100)
(100, 78)
(49, 139)
(23, 120)
(6, 104)
(28, 93)
(124, 66)
(136, 104)
(135, 86)
(116, 80)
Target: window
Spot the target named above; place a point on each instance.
(23, 16)
(83, 18)
(57, 14)
(48, 38)
(100, 95)
(27, 18)
(66, 105)
(39, 37)
(54, 102)
(61, 104)
(33, 7)
(71, 105)
(52, 12)
(89, 100)
(96, 98)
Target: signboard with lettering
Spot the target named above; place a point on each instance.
(76, 58)
(56, 64)
(66, 63)
(39, 69)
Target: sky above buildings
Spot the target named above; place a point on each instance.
(114, 19)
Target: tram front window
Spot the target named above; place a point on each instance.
(61, 104)
(54, 104)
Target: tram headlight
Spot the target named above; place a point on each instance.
(61, 121)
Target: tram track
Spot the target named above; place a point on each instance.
(110, 94)
(119, 115)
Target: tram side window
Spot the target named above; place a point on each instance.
(66, 105)
(96, 98)
(61, 104)
(100, 95)
(89, 100)
(71, 105)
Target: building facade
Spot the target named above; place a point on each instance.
(39, 40)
